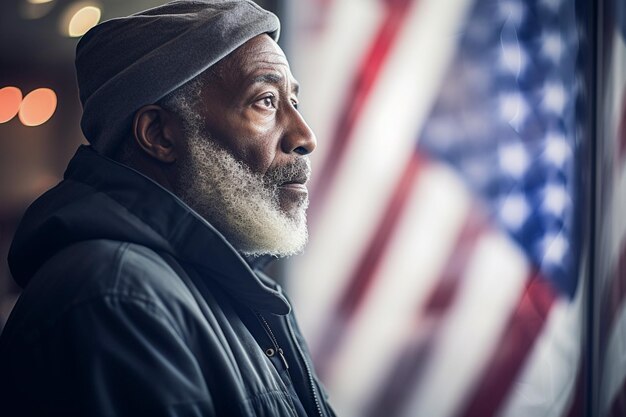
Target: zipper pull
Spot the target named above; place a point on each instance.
(280, 352)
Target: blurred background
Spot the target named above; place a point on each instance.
(466, 252)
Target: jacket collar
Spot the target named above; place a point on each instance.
(185, 234)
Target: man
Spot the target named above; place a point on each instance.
(141, 290)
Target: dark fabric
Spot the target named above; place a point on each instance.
(125, 63)
(134, 305)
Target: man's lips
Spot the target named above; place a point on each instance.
(296, 185)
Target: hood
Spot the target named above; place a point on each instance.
(102, 199)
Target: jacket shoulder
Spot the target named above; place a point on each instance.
(97, 310)
(92, 267)
(93, 270)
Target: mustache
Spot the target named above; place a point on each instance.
(297, 171)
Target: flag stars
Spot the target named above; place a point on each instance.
(554, 98)
(555, 199)
(513, 59)
(512, 11)
(514, 109)
(554, 248)
(557, 150)
(514, 211)
(552, 46)
(514, 159)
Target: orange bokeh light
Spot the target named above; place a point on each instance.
(38, 107)
(10, 100)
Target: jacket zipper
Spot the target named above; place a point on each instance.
(308, 369)
(269, 332)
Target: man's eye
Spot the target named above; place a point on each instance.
(294, 104)
(267, 101)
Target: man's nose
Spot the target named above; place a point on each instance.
(298, 137)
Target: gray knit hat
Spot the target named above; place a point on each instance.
(125, 63)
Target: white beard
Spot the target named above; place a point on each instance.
(241, 204)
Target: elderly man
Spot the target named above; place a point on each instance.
(142, 294)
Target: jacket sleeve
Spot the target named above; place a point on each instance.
(124, 357)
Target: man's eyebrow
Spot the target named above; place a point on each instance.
(275, 79)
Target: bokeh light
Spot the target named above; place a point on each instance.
(79, 18)
(38, 107)
(39, 1)
(10, 100)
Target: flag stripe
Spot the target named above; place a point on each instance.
(405, 374)
(383, 142)
(546, 384)
(361, 279)
(365, 79)
(472, 328)
(444, 293)
(438, 206)
(515, 344)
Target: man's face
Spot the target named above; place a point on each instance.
(251, 110)
(245, 166)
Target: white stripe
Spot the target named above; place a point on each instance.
(547, 383)
(491, 286)
(419, 250)
(325, 62)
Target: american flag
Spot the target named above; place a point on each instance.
(446, 271)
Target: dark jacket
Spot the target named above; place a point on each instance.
(134, 305)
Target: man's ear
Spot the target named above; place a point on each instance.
(157, 132)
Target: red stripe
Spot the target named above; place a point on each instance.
(363, 276)
(521, 333)
(358, 95)
(405, 375)
(444, 293)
